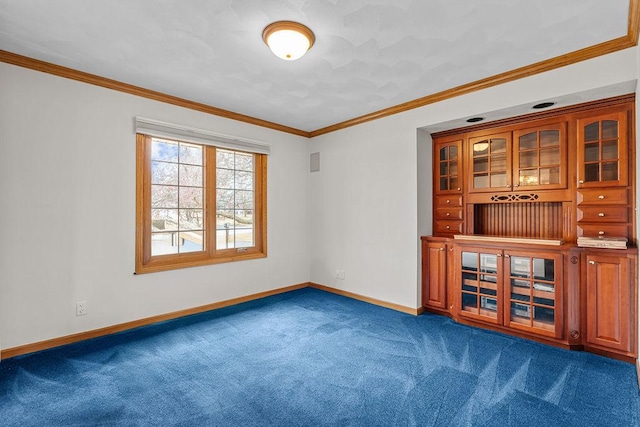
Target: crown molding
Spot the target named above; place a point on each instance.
(69, 73)
(611, 46)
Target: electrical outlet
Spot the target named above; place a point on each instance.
(81, 308)
(339, 274)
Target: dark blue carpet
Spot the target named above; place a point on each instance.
(309, 358)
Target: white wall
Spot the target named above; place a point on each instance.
(67, 211)
(364, 205)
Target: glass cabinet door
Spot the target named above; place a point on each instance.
(449, 167)
(532, 294)
(540, 157)
(602, 151)
(490, 163)
(479, 284)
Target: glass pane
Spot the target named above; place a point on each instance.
(528, 159)
(521, 296)
(225, 199)
(592, 172)
(453, 168)
(544, 269)
(498, 163)
(191, 197)
(469, 280)
(444, 168)
(244, 181)
(191, 154)
(164, 196)
(610, 171)
(444, 183)
(481, 148)
(498, 145)
(529, 141)
(224, 179)
(225, 159)
(490, 292)
(164, 150)
(191, 241)
(164, 219)
(523, 284)
(488, 263)
(520, 310)
(481, 181)
(550, 156)
(453, 183)
(488, 278)
(469, 301)
(544, 301)
(225, 238)
(190, 219)
(521, 267)
(498, 180)
(164, 173)
(549, 176)
(453, 152)
(592, 152)
(528, 177)
(609, 150)
(164, 243)
(592, 132)
(244, 162)
(542, 314)
(481, 164)
(549, 138)
(544, 287)
(470, 261)
(244, 200)
(191, 175)
(490, 304)
(609, 129)
(444, 153)
(244, 236)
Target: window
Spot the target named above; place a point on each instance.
(197, 204)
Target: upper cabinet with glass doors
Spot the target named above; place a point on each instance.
(527, 159)
(448, 170)
(603, 150)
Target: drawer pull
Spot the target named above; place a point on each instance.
(601, 197)
(601, 214)
(601, 233)
(592, 262)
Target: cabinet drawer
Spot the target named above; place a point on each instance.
(603, 214)
(606, 230)
(603, 196)
(449, 213)
(448, 201)
(448, 227)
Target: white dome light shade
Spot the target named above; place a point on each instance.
(288, 40)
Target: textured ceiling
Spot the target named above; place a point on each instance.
(369, 54)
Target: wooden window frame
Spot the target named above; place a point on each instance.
(146, 263)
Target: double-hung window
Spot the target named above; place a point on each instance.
(201, 197)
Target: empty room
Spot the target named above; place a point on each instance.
(308, 213)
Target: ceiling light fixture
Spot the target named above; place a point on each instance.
(288, 40)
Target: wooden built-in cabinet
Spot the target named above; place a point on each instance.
(540, 183)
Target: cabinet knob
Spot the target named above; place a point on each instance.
(601, 214)
(600, 233)
(498, 255)
(601, 197)
(442, 249)
(459, 188)
(507, 256)
(448, 201)
(448, 227)
(516, 185)
(581, 181)
(449, 214)
(592, 262)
